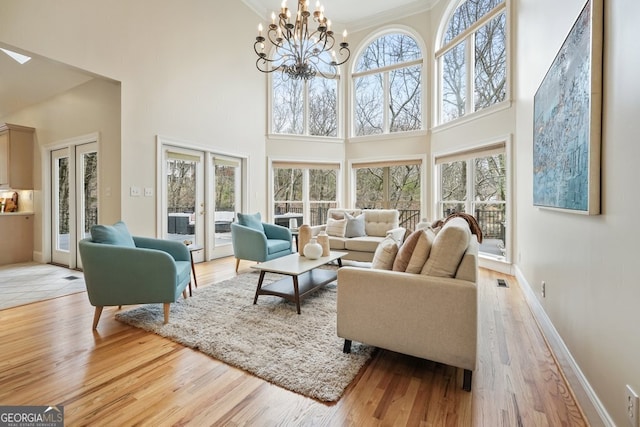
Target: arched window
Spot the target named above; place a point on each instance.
(387, 81)
(472, 59)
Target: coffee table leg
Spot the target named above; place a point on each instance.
(255, 300)
(296, 292)
(339, 263)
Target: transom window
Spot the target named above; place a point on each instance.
(387, 82)
(472, 59)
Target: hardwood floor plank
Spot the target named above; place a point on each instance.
(120, 375)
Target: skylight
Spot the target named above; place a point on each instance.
(17, 56)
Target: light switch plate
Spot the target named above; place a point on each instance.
(148, 192)
(134, 191)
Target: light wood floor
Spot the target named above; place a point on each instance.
(122, 376)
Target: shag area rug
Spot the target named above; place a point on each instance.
(299, 352)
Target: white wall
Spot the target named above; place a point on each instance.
(183, 72)
(93, 107)
(588, 263)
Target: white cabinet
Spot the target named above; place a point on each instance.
(16, 157)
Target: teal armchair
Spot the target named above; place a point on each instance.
(254, 240)
(120, 269)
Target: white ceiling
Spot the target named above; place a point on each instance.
(34, 81)
(40, 78)
(352, 14)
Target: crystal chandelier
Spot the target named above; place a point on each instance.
(298, 51)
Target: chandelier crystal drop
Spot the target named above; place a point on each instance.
(297, 50)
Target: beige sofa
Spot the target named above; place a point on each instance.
(422, 315)
(378, 224)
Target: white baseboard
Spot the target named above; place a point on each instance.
(37, 257)
(591, 406)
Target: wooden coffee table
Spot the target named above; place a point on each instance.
(303, 276)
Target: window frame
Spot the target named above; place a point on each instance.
(340, 134)
(305, 166)
(468, 154)
(424, 83)
(468, 36)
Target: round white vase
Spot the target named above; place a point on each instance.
(313, 249)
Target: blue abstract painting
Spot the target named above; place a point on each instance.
(566, 137)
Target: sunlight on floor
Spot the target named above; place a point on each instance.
(30, 282)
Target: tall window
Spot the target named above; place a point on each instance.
(304, 107)
(472, 59)
(307, 189)
(390, 186)
(476, 183)
(387, 83)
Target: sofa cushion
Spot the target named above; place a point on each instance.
(448, 248)
(355, 226)
(337, 243)
(336, 227)
(385, 254)
(338, 213)
(116, 234)
(277, 245)
(363, 244)
(379, 221)
(251, 220)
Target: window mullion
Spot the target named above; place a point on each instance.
(470, 66)
(386, 103)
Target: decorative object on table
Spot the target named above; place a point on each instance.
(296, 49)
(313, 249)
(323, 240)
(293, 223)
(187, 242)
(222, 313)
(567, 121)
(304, 235)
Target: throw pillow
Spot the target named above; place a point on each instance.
(116, 234)
(355, 226)
(251, 220)
(421, 252)
(448, 249)
(336, 227)
(405, 251)
(385, 254)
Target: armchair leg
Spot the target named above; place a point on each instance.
(347, 346)
(237, 264)
(96, 316)
(166, 312)
(184, 293)
(466, 383)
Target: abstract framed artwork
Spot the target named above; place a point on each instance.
(568, 119)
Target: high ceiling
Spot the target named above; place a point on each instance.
(40, 78)
(354, 14)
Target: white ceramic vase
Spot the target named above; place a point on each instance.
(313, 249)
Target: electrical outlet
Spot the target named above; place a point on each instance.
(543, 288)
(631, 402)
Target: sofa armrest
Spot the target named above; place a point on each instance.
(430, 317)
(397, 234)
(275, 231)
(175, 248)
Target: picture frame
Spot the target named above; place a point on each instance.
(567, 120)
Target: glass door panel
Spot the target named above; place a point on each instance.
(87, 190)
(184, 189)
(60, 231)
(227, 178)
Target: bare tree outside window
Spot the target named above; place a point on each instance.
(287, 105)
(402, 82)
(323, 107)
(181, 186)
(487, 67)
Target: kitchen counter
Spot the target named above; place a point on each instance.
(14, 213)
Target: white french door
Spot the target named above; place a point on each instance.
(183, 209)
(74, 200)
(227, 200)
